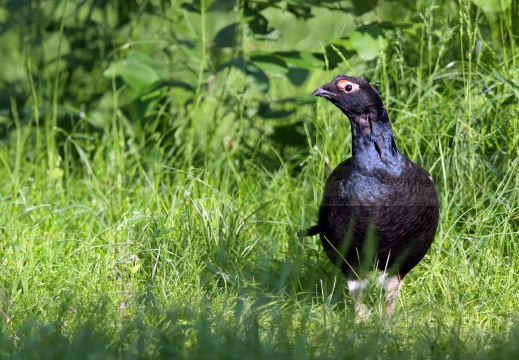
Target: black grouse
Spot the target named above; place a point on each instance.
(378, 207)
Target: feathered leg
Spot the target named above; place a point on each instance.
(356, 288)
(391, 286)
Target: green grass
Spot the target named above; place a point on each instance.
(118, 244)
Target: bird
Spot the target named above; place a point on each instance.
(379, 209)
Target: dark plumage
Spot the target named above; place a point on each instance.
(377, 205)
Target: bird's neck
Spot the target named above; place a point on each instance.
(372, 139)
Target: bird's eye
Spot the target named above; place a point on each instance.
(347, 86)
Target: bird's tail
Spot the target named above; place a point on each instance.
(311, 231)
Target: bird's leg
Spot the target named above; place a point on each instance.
(391, 285)
(356, 287)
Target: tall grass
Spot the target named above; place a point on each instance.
(116, 245)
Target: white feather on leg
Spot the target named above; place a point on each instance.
(356, 288)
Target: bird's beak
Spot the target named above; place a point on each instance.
(323, 93)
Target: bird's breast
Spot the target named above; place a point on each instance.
(354, 188)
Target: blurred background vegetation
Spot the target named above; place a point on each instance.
(200, 70)
(158, 158)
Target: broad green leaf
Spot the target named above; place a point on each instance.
(259, 26)
(144, 58)
(301, 59)
(301, 11)
(493, 6)
(255, 75)
(269, 63)
(225, 37)
(265, 111)
(297, 76)
(368, 41)
(133, 72)
(257, 78)
(238, 63)
(196, 5)
(337, 52)
(364, 6)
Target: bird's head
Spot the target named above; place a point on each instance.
(353, 95)
(361, 102)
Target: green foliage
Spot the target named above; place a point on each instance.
(158, 158)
